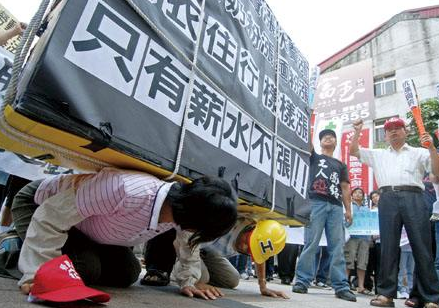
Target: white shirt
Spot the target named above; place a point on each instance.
(406, 166)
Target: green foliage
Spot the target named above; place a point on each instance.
(430, 115)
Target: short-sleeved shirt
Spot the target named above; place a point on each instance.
(326, 174)
(406, 166)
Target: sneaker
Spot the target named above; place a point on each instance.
(300, 288)
(245, 276)
(323, 285)
(346, 295)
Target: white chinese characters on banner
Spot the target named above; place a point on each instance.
(205, 116)
(236, 133)
(185, 15)
(269, 94)
(261, 151)
(220, 45)
(283, 163)
(300, 175)
(248, 72)
(109, 47)
(119, 45)
(163, 79)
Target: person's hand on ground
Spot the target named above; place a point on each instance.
(202, 290)
(26, 287)
(272, 293)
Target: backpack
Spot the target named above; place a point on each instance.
(10, 246)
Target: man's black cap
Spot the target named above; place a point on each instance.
(326, 132)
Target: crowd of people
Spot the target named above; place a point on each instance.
(195, 236)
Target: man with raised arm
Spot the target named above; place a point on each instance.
(399, 170)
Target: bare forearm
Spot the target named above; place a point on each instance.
(346, 196)
(260, 272)
(354, 149)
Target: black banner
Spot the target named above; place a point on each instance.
(126, 80)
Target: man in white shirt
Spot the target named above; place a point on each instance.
(399, 170)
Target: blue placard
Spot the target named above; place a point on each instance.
(365, 223)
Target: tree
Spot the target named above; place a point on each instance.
(430, 115)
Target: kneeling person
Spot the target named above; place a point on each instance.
(96, 218)
(200, 271)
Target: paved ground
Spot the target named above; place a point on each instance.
(245, 296)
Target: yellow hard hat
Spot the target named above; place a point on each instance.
(266, 240)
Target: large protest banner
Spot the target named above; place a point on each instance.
(222, 71)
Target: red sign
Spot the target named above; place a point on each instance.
(359, 174)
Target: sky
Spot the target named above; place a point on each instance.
(320, 28)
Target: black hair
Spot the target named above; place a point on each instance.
(358, 188)
(373, 192)
(208, 205)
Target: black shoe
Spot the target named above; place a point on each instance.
(300, 288)
(346, 295)
(286, 281)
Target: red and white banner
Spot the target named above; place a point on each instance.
(360, 174)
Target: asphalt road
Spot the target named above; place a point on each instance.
(245, 296)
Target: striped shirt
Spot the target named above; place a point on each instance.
(406, 166)
(119, 207)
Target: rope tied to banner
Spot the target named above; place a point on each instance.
(11, 92)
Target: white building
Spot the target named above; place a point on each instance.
(406, 46)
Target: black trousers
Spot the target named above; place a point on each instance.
(286, 260)
(409, 209)
(160, 252)
(97, 264)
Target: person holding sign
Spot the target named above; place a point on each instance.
(329, 190)
(399, 170)
(14, 31)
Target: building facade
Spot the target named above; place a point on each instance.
(406, 46)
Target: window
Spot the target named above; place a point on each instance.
(385, 85)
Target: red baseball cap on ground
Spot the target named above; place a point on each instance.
(394, 123)
(58, 281)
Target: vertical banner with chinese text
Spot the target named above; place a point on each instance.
(360, 174)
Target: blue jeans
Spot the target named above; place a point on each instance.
(328, 216)
(436, 262)
(322, 264)
(406, 267)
